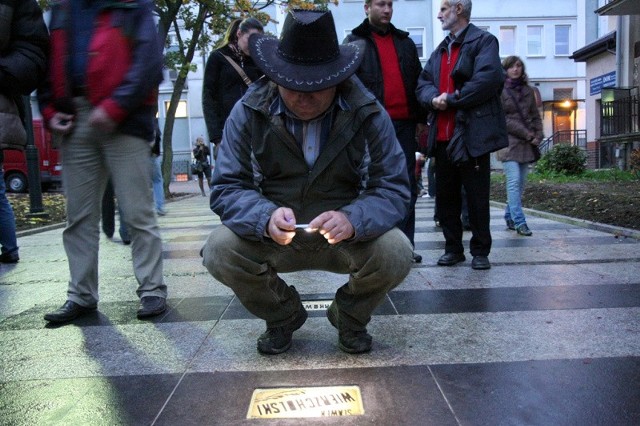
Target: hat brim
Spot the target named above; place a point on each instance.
(301, 77)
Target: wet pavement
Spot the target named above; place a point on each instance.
(550, 335)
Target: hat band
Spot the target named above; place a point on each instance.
(308, 59)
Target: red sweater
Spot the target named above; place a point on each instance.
(395, 96)
(445, 120)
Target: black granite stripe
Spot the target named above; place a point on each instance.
(550, 243)
(425, 262)
(511, 299)
(602, 391)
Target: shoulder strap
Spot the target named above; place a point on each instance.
(240, 71)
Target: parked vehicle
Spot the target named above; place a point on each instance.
(15, 162)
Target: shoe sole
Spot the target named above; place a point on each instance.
(334, 322)
(296, 326)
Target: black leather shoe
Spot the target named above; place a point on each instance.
(480, 262)
(150, 306)
(510, 224)
(9, 257)
(349, 341)
(417, 258)
(278, 339)
(450, 259)
(69, 311)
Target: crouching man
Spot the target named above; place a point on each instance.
(309, 175)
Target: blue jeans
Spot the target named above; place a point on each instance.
(156, 179)
(7, 220)
(516, 174)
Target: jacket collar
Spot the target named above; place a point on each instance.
(365, 29)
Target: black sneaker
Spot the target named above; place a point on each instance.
(510, 224)
(524, 230)
(349, 341)
(9, 257)
(278, 339)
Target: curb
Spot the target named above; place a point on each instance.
(617, 231)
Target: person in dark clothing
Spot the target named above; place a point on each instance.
(201, 153)
(156, 171)
(24, 46)
(461, 84)
(109, 215)
(223, 82)
(390, 70)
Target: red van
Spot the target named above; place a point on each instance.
(15, 162)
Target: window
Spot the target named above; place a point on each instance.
(418, 36)
(534, 40)
(507, 41)
(562, 40)
(181, 111)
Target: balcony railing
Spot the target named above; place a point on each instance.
(620, 117)
(569, 137)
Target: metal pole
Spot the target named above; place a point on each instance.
(33, 165)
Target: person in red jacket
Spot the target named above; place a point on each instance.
(100, 99)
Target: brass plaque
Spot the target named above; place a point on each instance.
(316, 305)
(327, 401)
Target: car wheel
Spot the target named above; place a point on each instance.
(16, 182)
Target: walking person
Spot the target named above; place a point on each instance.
(461, 84)
(156, 171)
(101, 97)
(201, 164)
(524, 127)
(309, 176)
(390, 70)
(228, 73)
(24, 46)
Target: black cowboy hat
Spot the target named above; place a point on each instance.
(307, 58)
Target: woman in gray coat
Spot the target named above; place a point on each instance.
(524, 127)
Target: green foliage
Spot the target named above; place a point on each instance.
(602, 175)
(568, 160)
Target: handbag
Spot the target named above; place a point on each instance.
(12, 132)
(196, 167)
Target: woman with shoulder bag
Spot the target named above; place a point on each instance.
(228, 73)
(524, 127)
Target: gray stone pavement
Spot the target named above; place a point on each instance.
(549, 335)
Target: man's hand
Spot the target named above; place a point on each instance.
(61, 123)
(334, 225)
(282, 226)
(440, 102)
(101, 120)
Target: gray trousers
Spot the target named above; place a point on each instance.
(89, 158)
(250, 269)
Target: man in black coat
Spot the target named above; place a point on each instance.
(390, 70)
(24, 45)
(461, 83)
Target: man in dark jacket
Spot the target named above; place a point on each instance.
(24, 43)
(100, 97)
(309, 176)
(390, 70)
(461, 83)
